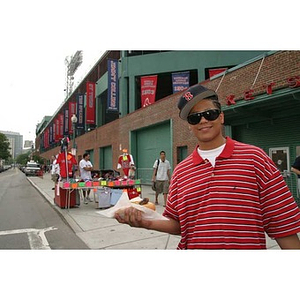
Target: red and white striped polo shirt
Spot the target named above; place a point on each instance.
(231, 205)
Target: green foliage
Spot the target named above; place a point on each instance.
(22, 159)
(4, 147)
(38, 159)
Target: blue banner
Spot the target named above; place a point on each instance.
(66, 121)
(51, 134)
(181, 81)
(80, 111)
(113, 86)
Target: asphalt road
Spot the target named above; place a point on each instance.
(27, 220)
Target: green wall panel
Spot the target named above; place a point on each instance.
(148, 143)
(278, 133)
(106, 158)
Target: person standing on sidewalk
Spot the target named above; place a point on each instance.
(85, 167)
(225, 194)
(161, 176)
(296, 169)
(66, 161)
(54, 171)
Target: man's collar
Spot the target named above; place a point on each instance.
(227, 152)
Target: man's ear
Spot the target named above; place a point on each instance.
(222, 118)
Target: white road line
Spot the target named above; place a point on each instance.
(36, 237)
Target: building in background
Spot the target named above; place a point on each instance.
(129, 100)
(28, 145)
(120, 84)
(15, 143)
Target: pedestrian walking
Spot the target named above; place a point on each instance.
(226, 194)
(54, 171)
(161, 177)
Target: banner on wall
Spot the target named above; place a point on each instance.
(90, 103)
(72, 111)
(148, 90)
(50, 134)
(213, 72)
(53, 133)
(43, 139)
(113, 86)
(66, 121)
(61, 126)
(80, 110)
(46, 138)
(56, 135)
(180, 81)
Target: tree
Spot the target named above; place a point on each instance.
(4, 147)
(22, 159)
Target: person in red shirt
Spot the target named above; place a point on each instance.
(67, 161)
(226, 194)
(125, 161)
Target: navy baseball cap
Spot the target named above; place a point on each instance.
(192, 96)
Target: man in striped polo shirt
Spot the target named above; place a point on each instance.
(226, 194)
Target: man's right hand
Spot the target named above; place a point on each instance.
(132, 216)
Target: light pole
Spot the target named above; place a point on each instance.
(74, 121)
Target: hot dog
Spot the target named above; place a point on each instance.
(145, 202)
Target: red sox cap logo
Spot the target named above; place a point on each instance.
(188, 96)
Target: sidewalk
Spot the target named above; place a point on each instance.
(99, 232)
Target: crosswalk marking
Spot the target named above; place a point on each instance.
(36, 237)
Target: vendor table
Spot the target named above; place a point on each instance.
(66, 199)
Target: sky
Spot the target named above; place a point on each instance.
(37, 36)
(35, 40)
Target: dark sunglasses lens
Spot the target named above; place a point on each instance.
(211, 115)
(194, 119)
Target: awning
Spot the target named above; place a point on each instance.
(280, 104)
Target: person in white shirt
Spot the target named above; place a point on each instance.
(54, 171)
(161, 176)
(85, 167)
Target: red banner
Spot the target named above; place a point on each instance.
(61, 126)
(46, 138)
(213, 72)
(148, 89)
(56, 135)
(90, 103)
(72, 111)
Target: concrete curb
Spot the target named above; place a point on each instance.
(64, 215)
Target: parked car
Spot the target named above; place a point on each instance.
(32, 168)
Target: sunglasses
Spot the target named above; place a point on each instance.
(209, 115)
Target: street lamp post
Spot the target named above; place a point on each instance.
(74, 121)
